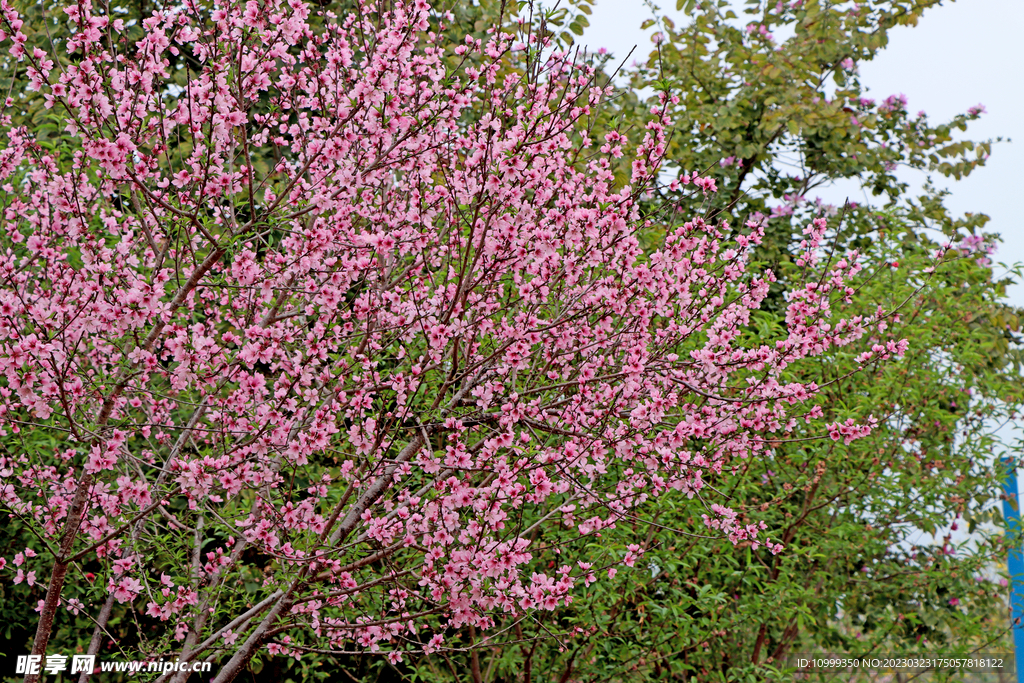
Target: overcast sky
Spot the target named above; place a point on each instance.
(960, 54)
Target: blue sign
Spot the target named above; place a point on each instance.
(1014, 563)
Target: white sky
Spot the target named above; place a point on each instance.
(959, 55)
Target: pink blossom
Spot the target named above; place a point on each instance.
(301, 351)
(125, 590)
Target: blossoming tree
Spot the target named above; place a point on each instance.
(325, 328)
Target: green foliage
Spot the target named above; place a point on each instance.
(787, 113)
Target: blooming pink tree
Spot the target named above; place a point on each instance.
(360, 325)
